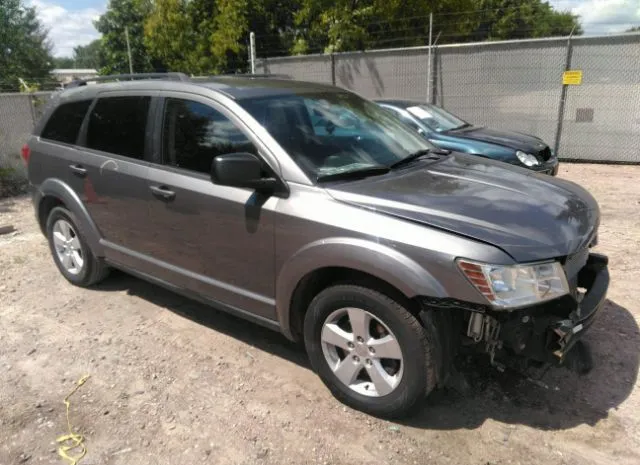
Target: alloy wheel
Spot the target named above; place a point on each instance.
(68, 247)
(362, 352)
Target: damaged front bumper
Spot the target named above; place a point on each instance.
(544, 333)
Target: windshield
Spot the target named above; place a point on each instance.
(436, 118)
(331, 133)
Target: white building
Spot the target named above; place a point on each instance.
(67, 75)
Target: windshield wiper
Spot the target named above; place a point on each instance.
(409, 158)
(372, 170)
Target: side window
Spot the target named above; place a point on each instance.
(193, 134)
(117, 125)
(64, 124)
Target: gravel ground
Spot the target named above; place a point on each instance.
(173, 382)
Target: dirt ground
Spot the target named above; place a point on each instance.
(174, 382)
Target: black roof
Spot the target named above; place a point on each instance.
(248, 87)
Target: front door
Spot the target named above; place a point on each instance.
(215, 240)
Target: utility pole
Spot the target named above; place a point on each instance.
(429, 59)
(126, 35)
(252, 52)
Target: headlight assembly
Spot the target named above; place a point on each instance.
(527, 159)
(512, 286)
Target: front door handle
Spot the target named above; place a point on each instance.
(163, 192)
(78, 170)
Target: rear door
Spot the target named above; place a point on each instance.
(113, 169)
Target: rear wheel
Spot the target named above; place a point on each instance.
(70, 251)
(369, 350)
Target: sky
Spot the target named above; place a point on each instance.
(70, 22)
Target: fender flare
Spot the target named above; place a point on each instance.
(56, 188)
(369, 257)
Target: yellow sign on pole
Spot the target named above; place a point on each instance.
(572, 77)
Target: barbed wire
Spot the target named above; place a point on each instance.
(472, 15)
(444, 25)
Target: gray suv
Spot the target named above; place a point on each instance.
(314, 212)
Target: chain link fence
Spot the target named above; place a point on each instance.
(602, 115)
(18, 114)
(514, 85)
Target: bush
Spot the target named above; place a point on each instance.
(12, 182)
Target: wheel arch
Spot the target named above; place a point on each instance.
(53, 193)
(341, 260)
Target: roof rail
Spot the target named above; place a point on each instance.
(242, 75)
(130, 77)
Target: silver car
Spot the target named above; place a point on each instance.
(314, 212)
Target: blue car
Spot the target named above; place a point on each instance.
(450, 132)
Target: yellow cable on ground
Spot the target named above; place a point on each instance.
(72, 441)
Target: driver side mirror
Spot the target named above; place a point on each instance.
(241, 170)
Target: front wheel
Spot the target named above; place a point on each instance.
(369, 350)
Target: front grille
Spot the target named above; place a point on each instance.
(545, 154)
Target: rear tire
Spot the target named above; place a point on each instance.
(71, 253)
(342, 326)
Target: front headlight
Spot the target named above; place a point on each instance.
(511, 286)
(527, 159)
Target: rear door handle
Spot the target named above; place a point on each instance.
(163, 192)
(78, 170)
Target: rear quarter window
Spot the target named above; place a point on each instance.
(65, 121)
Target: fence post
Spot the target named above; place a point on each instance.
(252, 52)
(563, 96)
(333, 69)
(429, 60)
(34, 117)
(433, 83)
(126, 36)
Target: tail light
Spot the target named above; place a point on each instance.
(26, 153)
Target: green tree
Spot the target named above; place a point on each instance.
(274, 24)
(393, 27)
(230, 30)
(177, 32)
(89, 56)
(633, 29)
(212, 36)
(521, 19)
(63, 62)
(123, 14)
(343, 25)
(332, 26)
(25, 51)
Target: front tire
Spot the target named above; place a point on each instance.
(70, 250)
(369, 350)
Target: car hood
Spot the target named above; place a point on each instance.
(529, 216)
(510, 139)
